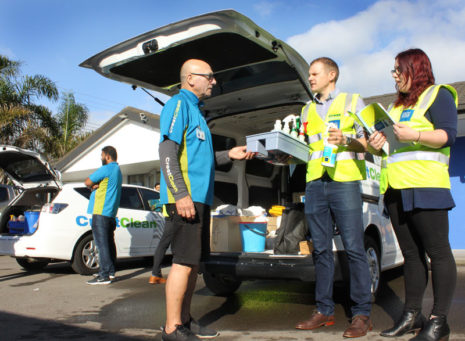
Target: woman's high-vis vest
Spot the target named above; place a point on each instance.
(350, 166)
(417, 166)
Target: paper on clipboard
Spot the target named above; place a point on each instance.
(375, 118)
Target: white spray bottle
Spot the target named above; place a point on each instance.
(288, 119)
(330, 150)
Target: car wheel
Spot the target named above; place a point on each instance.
(32, 264)
(85, 258)
(221, 284)
(374, 263)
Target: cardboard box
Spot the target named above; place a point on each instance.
(306, 247)
(298, 197)
(272, 223)
(225, 235)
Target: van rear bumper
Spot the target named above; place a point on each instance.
(247, 266)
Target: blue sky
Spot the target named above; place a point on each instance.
(52, 37)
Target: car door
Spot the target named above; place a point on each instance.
(151, 200)
(134, 232)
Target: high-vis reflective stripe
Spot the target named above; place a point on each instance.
(423, 105)
(417, 156)
(315, 138)
(339, 156)
(349, 165)
(417, 166)
(318, 154)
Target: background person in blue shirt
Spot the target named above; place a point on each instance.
(187, 163)
(105, 184)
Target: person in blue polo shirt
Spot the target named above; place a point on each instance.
(105, 184)
(187, 162)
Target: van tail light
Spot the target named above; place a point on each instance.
(53, 208)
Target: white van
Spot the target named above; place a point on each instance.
(259, 79)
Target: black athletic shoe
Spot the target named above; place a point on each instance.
(99, 280)
(180, 334)
(112, 277)
(202, 332)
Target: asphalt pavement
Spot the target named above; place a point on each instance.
(57, 304)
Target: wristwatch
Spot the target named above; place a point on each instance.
(348, 140)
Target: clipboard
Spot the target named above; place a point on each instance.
(373, 118)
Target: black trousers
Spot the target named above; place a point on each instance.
(160, 251)
(418, 232)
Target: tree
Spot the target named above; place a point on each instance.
(23, 122)
(71, 119)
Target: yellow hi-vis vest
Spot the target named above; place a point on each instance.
(350, 166)
(417, 166)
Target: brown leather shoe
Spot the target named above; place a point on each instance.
(316, 320)
(156, 280)
(360, 326)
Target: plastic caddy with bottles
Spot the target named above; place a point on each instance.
(23, 224)
(283, 145)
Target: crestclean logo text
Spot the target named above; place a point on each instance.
(373, 174)
(123, 222)
(170, 175)
(175, 115)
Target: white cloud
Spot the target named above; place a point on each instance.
(265, 8)
(365, 44)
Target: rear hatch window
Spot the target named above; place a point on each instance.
(24, 168)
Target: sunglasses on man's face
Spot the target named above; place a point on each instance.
(208, 76)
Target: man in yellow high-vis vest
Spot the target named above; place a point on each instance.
(337, 145)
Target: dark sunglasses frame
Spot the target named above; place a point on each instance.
(208, 76)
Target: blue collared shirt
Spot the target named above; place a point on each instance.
(105, 199)
(181, 121)
(322, 108)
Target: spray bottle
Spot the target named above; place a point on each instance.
(295, 128)
(277, 126)
(330, 150)
(302, 130)
(288, 119)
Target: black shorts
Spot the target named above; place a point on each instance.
(191, 238)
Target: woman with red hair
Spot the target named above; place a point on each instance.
(416, 186)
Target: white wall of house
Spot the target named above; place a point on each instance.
(137, 147)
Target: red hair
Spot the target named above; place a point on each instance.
(415, 65)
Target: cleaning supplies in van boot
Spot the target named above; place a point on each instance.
(276, 210)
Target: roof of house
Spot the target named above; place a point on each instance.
(128, 113)
(387, 99)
